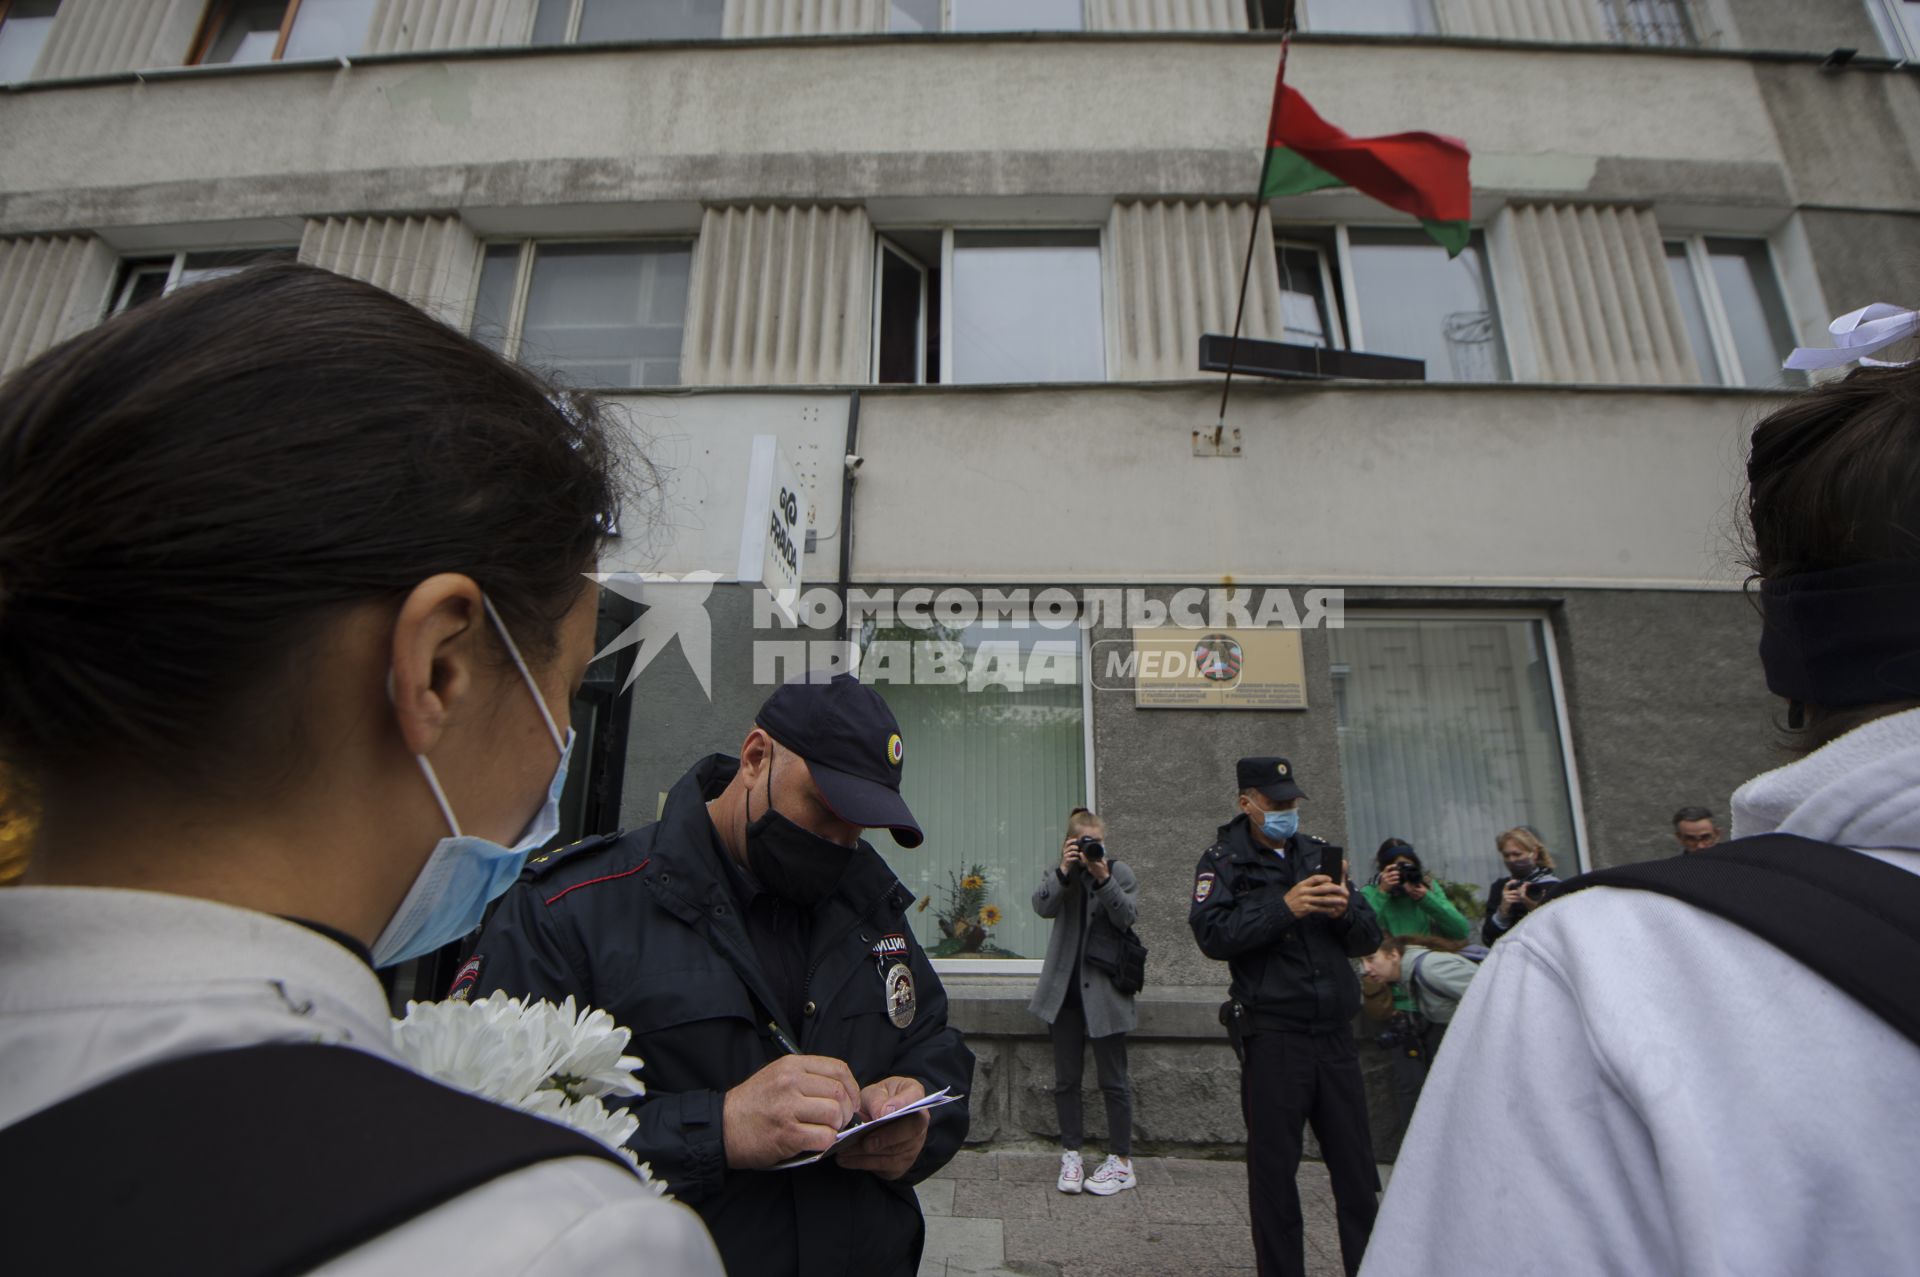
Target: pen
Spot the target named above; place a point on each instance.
(773, 1027)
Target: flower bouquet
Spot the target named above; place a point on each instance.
(968, 920)
(549, 1060)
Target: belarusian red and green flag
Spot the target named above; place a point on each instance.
(1419, 173)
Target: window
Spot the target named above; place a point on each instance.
(985, 15)
(988, 307)
(24, 25)
(994, 719)
(604, 316)
(1736, 315)
(1405, 297)
(1307, 310)
(1368, 17)
(242, 31)
(1450, 731)
(1650, 22)
(1899, 23)
(603, 21)
(144, 278)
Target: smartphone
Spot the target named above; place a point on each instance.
(1330, 864)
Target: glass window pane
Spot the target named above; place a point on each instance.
(250, 34)
(649, 20)
(1027, 311)
(1018, 15)
(1694, 311)
(913, 15)
(1655, 22)
(1415, 303)
(1450, 735)
(550, 22)
(329, 29)
(23, 35)
(607, 316)
(493, 306)
(1303, 298)
(993, 765)
(1756, 312)
(201, 267)
(141, 282)
(1372, 17)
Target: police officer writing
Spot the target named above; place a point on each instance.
(759, 951)
(1273, 903)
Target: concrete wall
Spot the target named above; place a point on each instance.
(1813, 25)
(1865, 257)
(1024, 117)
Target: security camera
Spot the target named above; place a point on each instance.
(854, 461)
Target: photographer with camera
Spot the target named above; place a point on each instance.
(1530, 877)
(1434, 974)
(1090, 897)
(1406, 904)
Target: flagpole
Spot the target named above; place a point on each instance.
(1253, 235)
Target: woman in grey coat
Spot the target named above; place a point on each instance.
(1087, 890)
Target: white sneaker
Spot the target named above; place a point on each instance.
(1114, 1174)
(1071, 1172)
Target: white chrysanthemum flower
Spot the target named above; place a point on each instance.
(555, 1062)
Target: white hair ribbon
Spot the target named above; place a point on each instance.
(1857, 334)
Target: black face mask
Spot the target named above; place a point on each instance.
(791, 862)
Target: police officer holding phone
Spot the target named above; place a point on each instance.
(1274, 904)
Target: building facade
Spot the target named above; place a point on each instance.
(975, 244)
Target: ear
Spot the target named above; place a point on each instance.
(756, 756)
(435, 657)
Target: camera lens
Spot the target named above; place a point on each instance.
(1092, 850)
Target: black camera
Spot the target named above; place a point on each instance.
(1409, 874)
(1536, 891)
(1400, 1036)
(1090, 848)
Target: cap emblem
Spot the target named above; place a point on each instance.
(895, 749)
(1281, 768)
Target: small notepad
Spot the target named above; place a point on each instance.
(933, 1101)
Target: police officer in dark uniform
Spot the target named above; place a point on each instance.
(1273, 903)
(759, 951)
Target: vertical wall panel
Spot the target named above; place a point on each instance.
(429, 261)
(781, 296)
(1166, 15)
(102, 37)
(747, 19)
(1599, 298)
(1173, 273)
(417, 26)
(51, 287)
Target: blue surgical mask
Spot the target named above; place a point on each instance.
(466, 873)
(1280, 825)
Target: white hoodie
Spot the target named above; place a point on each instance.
(1642, 1088)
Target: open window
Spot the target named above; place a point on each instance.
(251, 31)
(144, 278)
(605, 315)
(24, 27)
(1735, 311)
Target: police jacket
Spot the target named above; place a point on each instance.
(1290, 972)
(645, 926)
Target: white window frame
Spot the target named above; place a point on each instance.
(1550, 644)
(177, 266)
(1031, 966)
(1429, 13)
(1733, 375)
(1336, 323)
(574, 13)
(1348, 307)
(946, 289)
(882, 247)
(514, 328)
(946, 21)
(1901, 43)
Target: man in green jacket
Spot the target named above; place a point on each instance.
(1407, 905)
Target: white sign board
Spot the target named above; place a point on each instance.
(774, 535)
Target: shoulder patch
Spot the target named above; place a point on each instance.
(1202, 888)
(463, 982)
(547, 861)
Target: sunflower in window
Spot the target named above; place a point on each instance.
(989, 916)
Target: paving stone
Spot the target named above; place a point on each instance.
(1033, 1168)
(970, 1165)
(1002, 1199)
(1090, 1210)
(1196, 1204)
(980, 1242)
(936, 1196)
(1157, 1248)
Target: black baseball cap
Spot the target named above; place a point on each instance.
(852, 745)
(1272, 776)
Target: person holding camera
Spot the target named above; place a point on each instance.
(1434, 975)
(1090, 897)
(1273, 904)
(1406, 904)
(1529, 876)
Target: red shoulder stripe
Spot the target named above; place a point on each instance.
(626, 873)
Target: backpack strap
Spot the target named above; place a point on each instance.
(263, 1160)
(1850, 918)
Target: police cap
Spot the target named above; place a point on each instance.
(852, 745)
(1272, 776)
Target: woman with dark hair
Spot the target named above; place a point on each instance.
(1434, 975)
(291, 613)
(1673, 1092)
